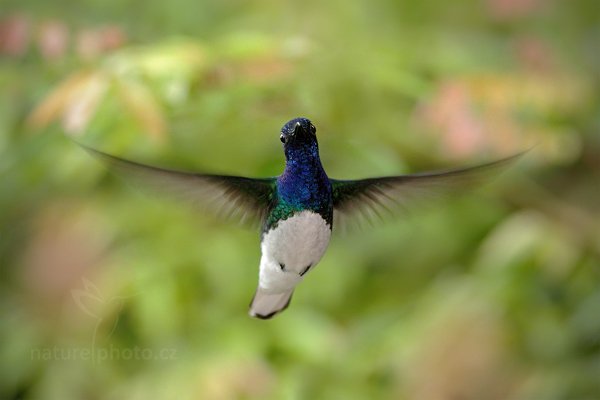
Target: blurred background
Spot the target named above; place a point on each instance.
(108, 294)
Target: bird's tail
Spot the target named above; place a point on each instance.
(266, 305)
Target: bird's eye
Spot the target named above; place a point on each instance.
(282, 138)
(313, 130)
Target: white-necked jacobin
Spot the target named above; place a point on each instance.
(296, 209)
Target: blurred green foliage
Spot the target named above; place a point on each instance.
(106, 294)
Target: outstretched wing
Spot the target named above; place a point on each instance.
(371, 198)
(232, 197)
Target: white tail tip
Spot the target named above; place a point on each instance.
(266, 305)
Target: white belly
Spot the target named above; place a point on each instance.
(291, 249)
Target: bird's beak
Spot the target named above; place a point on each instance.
(297, 128)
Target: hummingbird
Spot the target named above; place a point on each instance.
(297, 209)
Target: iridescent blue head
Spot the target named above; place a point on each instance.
(299, 136)
(303, 185)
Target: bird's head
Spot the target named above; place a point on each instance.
(298, 133)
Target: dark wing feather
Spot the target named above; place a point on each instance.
(371, 198)
(246, 200)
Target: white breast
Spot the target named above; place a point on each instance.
(296, 244)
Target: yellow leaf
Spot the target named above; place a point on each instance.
(55, 103)
(141, 102)
(83, 102)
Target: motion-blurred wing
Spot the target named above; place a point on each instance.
(373, 197)
(231, 197)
